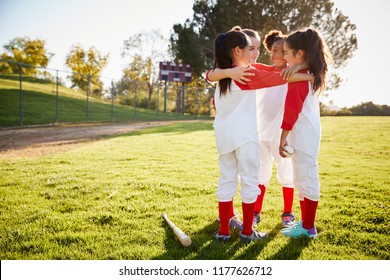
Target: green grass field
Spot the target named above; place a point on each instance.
(104, 201)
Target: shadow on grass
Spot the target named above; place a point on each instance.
(205, 247)
(292, 250)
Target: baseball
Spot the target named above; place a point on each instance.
(290, 151)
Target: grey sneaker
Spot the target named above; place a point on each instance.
(256, 235)
(288, 219)
(221, 237)
(235, 222)
(256, 219)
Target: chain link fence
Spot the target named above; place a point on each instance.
(43, 96)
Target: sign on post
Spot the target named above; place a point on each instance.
(175, 72)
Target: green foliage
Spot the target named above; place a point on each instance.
(104, 201)
(193, 41)
(145, 51)
(362, 109)
(370, 109)
(26, 51)
(86, 66)
(186, 46)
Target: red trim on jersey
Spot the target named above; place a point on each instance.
(207, 75)
(296, 95)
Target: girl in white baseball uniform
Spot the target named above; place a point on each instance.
(301, 124)
(270, 104)
(235, 128)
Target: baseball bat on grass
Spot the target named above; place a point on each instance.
(183, 238)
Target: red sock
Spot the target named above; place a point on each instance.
(231, 210)
(260, 198)
(302, 203)
(224, 209)
(288, 197)
(248, 212)
(310, 213)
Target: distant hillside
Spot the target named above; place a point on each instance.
(39, 105)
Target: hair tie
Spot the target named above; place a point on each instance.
(223, 42)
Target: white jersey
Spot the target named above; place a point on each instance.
(235, 123)
(302, 118)
(270, 107)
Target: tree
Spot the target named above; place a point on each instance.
(370, 109)
(212, 17)
(27, 51)
(86, 64)
(185, 46)
(145, 50)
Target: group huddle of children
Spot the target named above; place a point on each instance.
(260, 109)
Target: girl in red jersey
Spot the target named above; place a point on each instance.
(235, 129)
(301, 124)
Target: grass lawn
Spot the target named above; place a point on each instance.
(104, 201)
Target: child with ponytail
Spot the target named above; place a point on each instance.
(235, 128)
(301, 127)
(270, 105)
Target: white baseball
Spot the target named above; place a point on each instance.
(290, 151)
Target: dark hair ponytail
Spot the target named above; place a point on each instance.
(316, 52)
(224, 43)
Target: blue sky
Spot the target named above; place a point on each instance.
(106, 24)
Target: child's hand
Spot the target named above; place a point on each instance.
(240, 74)
(282, 151)
(311, 79)
(287, 72)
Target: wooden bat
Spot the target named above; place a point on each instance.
(183, 238)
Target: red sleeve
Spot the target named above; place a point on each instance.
(296, 95)
(207, 75)
(262, 79)
(261, 66)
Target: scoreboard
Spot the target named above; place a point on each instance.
(175, 72)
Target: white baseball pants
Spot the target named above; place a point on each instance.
(243, 162)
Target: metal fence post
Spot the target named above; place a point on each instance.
(57, 99)
(135, 99)
(178, 102)
(112, 100)
(20, 95)
(157, 98)
(88, 89)
(183, 89)
(165, 96)
(197, 102)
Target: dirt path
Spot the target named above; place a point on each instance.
(38, 141)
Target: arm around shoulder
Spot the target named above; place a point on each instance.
(301, 77)
(238, 74)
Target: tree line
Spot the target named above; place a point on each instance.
(362, 109)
